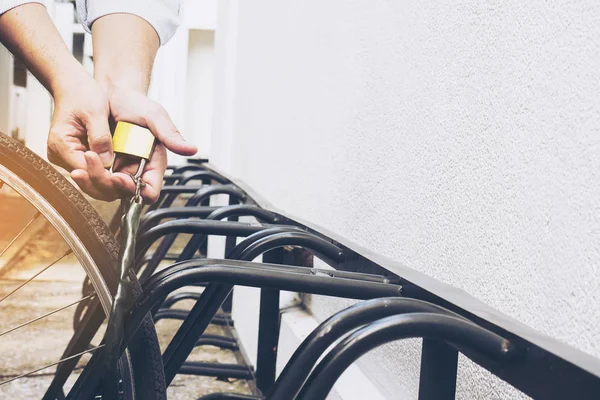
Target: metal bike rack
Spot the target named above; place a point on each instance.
(398, 303)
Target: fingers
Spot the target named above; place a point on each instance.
(100, 184)
(95, 180)
(136, 108)
(152, 176)
(65, 147)
(100, 139)
(82, 179)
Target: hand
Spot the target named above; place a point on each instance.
(133, 106)
(80, 126)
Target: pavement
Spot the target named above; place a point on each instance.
(42, 342)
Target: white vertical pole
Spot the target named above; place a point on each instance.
(225, 61)
(6, 84)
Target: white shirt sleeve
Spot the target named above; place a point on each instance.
(163, 15)
(6, 5)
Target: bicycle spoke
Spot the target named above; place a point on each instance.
(50, 365)
(37, 274)
(46, 315)
(37, 214)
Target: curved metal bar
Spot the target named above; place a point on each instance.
(236, 371)
(210, 227)
(176, 189)
(199, 197)
(196, 321)
(230, 273)
(229, 396)
(217, 341)
(172, 179)
(197, 160)
(269, 299)
(443, 327)
(152, 218)
(251, 239)
(225, 228)
(244, 210)
(209, 191)
(168, 194)
(177, 297)
(181, 315)
(148, 257)
(169, 313)
(238, 210)
(188, 167)
(300, 239)
(298, 368)
(254, 275)
(202, 175)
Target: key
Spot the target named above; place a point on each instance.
(135, 141)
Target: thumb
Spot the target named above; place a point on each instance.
(100, 139)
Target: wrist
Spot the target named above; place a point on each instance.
(121, 80)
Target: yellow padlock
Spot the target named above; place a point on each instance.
(136, 141)
(133, 140)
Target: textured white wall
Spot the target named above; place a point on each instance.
(460, 137)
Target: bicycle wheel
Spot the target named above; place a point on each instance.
(92, 246)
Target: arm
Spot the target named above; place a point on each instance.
(28, 32)
(125, 46)
(80, 116)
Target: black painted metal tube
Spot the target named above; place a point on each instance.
(235, 371)
(231, 273)
(439, 367)
(172, 179)
(269, 328)
(193, 226)
(443, 327)
(200, 316)
(300, 239)
(181, 315)
(174, 298)
(169, 193)
(152, 218)
(167, 242)
(182, 344)
(192, 327)
(221, 342)
(89, 325)
(202, 175)
(237, 210)
(229, 396)
(175, 189)
(208, 191)
(298, 368)
(197, 160)
(188, 167)
(235, 254)
(244, 210)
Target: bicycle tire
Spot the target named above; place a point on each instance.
(98, 241)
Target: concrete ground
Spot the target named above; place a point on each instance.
(43, 341)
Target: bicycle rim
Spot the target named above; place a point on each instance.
(78, 249)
